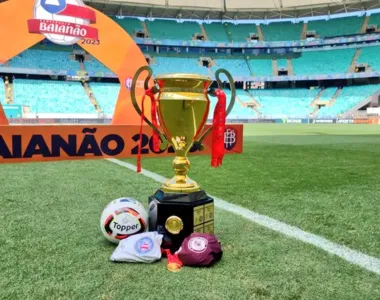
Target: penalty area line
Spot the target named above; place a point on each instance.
(352, 256)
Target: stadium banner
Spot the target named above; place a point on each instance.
(345, 121)
(361, 121)
(72, 142)
(262, 121)
(371, 120)
(292, 121)
(323, 121)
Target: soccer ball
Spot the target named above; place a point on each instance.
(122, 218)
(41, 14)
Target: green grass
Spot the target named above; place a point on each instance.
(321, 178)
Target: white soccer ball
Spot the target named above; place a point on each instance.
(41, 14)
(122, 218)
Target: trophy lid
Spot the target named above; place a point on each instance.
(183, 76)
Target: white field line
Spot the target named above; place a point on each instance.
(355, 257)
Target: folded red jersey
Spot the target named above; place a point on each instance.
(200, 249)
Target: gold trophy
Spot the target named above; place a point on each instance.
(180, 207)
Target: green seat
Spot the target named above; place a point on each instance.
(167, 29)
(323, 62)
(130, 25)
(370, 55)
(283, 31)
(336, 27)
(216, 32)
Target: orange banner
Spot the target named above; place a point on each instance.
(53, 143)
(362, 121)
(113, 47)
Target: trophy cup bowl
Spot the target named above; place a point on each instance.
(183, 107)
(180, 207)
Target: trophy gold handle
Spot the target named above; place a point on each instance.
(212, 93)
(155, 90)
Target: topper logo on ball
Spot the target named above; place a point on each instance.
(63, 22)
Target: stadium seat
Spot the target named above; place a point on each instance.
(44, 96)
(216, 32)
(371, 56)
(237, 67)
(336, 27)
(374, 20)
(260, 67)
(282, 63)
(96, 66)
(2, 91)
(166, 64)
(323, 62)
(348, 98)
(283, 31)
(237, 112)
(45, 59)
(282, 103)
(106, 95)
(130, 25)
(240, 32)
(167, 29)
(328, 94)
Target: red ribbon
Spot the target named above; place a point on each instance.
(219, 126)
(173, 263)
(156, 138)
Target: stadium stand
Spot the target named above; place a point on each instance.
(167, 29)
(243, 95)
(239, 112)
(348, 98)
(260, 67)
(280, 103)
(45, 59)
(164, 65)
(69, 97)
(106, 95)
(240, 33)
(95, 66)
(2, 91)
(284, 31)
(328, 94)
(323, 62)
(370, 55)
(374, 19)
(51, 96)
(336, 27)
(216, 32)
(237, 67)
(282, 63)
(130, 25)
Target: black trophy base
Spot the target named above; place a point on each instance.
(195, 211)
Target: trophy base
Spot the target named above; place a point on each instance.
(177, 215)
(173, 186)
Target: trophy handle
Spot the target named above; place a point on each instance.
(155, 90)
(212, 93)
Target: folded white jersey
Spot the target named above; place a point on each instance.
(143, 247)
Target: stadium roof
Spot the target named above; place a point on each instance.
(231, 9)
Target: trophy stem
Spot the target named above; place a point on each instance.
(180, 183)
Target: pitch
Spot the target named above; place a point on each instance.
(322, 179)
